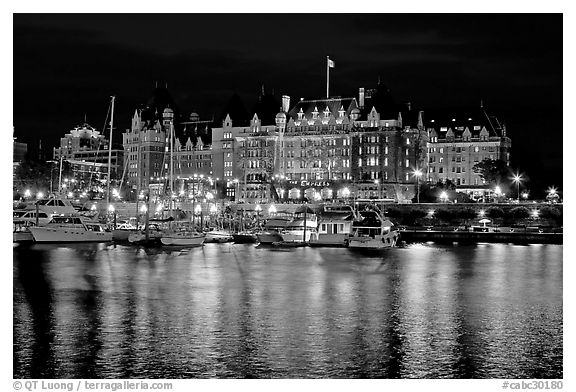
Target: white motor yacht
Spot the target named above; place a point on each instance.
(71, 229)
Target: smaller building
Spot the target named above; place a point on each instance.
(88, 151)
(458, 139)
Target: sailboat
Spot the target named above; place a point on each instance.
(183, 234)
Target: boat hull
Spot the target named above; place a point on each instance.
(377, 242)
(245, 238)
(269, 238)
(22, 236)
(122, 235)
(330, 240)
(47, 234)
(182, 241)
(297, 236)
(218, 237)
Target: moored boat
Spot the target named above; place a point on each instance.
(123, 231)
(302, 227)
(272, 228)
(373, 232)
(183, 238)
(71, 229)
(245, 237)
(218, 236)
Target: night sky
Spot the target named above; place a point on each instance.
(67, 66)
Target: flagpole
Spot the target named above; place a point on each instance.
(327, 76)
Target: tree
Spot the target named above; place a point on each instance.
(519, 213)
(492, 171)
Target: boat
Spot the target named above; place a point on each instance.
(302, 227)
(123, 231)
(21, 231)
(153, 237)
(334, 226)
(71, 229)
(218, 236)
(372, 232)
(272, 228)
(245, 237)
(183, 238)
(54, 205)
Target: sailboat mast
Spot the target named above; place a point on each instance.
(171, 165)
(60, 176)
(110, 152)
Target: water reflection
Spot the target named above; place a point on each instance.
(240, 311)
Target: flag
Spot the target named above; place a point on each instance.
(331, 64)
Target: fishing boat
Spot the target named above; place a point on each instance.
(334, 226)
(372, 232)
(71, 229)
(302, 227)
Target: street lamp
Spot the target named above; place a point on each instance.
(271, 209)
(517, 178)
(444, 196)
(497, 191)
(112, 210)
(417, 173)
(345, 192)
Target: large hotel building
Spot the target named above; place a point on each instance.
(364, 146)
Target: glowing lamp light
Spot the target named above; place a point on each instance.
(272, 209)
(213, 209)
(115, 192)
(143, 209)
(317, 196)
(159, 208)
(209, 196)
(39, 195)
(345, 192)
(258, 208)
(70, 194)
(198, 209)
(481, 212)
(27, 193)
(444, 196)
(498, 190)
(431, 212)
(111, 208)
(93, 208)
(535, 214)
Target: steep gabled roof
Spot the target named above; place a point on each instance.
(308, 106)
(475, 119)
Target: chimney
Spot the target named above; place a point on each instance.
(361, 98)
(285, 103)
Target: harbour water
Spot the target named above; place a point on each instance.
(233, 311)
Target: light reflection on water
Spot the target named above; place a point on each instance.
(225, 310)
